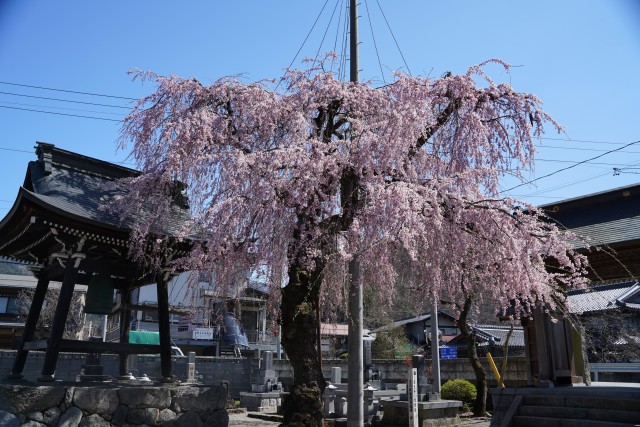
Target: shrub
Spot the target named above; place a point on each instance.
(461, 390)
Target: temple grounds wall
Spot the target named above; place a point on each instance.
(236, 371)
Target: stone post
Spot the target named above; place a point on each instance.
(329, 401)
(336, 375)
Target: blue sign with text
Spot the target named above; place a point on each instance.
(448, 353)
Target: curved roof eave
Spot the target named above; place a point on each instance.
(26, 195)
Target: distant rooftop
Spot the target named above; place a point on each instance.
(605, 297)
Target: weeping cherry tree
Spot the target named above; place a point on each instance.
(267, 166)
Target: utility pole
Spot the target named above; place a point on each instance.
(435, 347)
(355, 392)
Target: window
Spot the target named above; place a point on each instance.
(13, 306)
(9, 305)
(150, 315)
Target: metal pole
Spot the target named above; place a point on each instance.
(353, 46)
(435, 348)
(355, 391)
(104, 328)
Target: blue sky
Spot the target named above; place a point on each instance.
(580, 57)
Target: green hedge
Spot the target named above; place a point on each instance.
(461, 390)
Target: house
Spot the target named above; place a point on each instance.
(11, 315)
(202, 321)
(416, 326)
(491, 339)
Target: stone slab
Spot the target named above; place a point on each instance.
(430, 414)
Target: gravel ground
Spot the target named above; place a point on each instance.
(243, 419)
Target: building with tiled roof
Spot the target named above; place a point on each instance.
(607, 225)
(605, 297)
(61, 225)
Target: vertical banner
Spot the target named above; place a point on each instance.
(412, 395)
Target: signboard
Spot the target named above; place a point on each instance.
(412, 395)
(203, 334)
(448, 353)
(144, 337)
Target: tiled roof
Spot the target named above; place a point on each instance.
(82, 186)
(604, 297)
(500, 333)
(496, 334)
(602, 218)
(414, 319)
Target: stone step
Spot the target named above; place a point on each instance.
(527, 421)
(614, 404)
(593, 414)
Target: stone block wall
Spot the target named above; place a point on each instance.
(108, 406)
(236, 371)
(212, 370)
(395, 371)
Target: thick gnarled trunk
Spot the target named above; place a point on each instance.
(480, 405)
(303, 405)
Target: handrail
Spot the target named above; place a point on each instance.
(596, 368)
(615, 367)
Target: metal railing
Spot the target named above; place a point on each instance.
(612, 367)
(261, 337)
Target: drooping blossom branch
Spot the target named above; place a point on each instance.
(263, 169)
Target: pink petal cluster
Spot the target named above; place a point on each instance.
(263, 168)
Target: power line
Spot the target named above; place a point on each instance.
(61, 108)
(394, 37)
(68, 91)
(335, 41)
(309, 33)
(574, 162)
(64, 100)
(582, 140)
(15, 150)
(326, 30)
(572, 166)
(596, 150)
(375, 45)
(60, 114)
(580, 181)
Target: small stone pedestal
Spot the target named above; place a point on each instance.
(260, 402)
(265, 388)
(93, 370)
(430, 414)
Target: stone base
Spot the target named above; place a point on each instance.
(260, 402)
(430, 414)
(113, 404)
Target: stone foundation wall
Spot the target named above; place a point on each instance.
(211, 370)
(116, 405)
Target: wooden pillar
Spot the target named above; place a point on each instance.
(164, 328)
(60, 318)
(30, 326)
(549, 351)
(125, 328)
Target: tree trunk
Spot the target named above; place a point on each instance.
(480, 405)
(303, 405)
